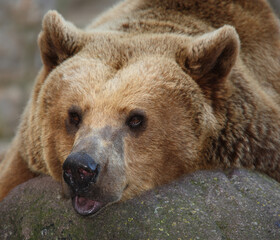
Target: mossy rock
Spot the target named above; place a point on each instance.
(237, 204)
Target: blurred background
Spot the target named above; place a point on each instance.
(20, 24)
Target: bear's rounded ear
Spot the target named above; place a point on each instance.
(210, 57)
(58, 39)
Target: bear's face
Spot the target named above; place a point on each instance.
(124, 114)
(133, 123)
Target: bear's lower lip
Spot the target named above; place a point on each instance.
(85, 206)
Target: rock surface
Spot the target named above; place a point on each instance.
(238, 204)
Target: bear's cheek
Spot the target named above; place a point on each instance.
(56, 143)
(144, 165)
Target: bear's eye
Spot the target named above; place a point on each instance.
(74, 119)
(135, 121)
(74, 116)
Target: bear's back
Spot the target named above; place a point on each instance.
(255, 22)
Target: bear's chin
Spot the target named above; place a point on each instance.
(85, 206)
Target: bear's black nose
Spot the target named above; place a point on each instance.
(79, 171)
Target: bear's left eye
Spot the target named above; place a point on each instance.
(135, 121)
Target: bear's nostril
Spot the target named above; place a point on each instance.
(89, 175)
(68, 171)
(85, 173)
(68, 177)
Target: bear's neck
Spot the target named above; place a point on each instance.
(250, 136)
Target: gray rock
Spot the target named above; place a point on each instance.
(238, 204)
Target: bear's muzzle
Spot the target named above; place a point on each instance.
(94, 171)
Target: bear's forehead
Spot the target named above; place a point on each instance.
(123, 71)
(121, 47)
(123, 57)
(92, 82)
(87, 71)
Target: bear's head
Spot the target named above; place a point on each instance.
(121, 113)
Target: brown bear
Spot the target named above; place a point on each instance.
(151, 90)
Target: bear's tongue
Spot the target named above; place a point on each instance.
(85, 206)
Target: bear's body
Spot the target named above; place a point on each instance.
(149, 91)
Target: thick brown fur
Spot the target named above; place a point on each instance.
(205, 73)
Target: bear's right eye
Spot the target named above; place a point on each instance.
(74, 119)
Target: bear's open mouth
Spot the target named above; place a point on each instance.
(85, 206)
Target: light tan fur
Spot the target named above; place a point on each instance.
(205, 73)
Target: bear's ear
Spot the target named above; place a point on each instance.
(210, 57)
(58, 39)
